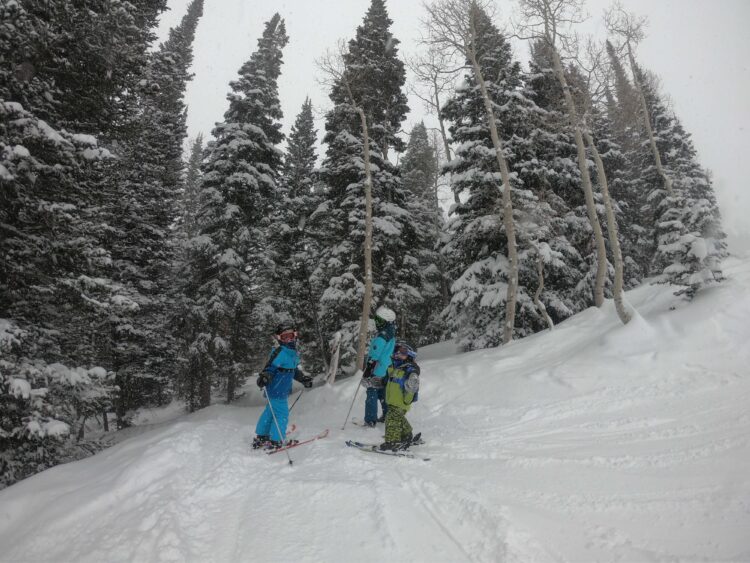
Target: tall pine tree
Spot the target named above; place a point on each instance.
(475, 244)
(294, 245)
(230, 266)
(419, 170)
(376, 77)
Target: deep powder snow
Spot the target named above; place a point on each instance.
(595, 442)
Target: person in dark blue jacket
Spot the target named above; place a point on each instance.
(377, 363)
(276, 382)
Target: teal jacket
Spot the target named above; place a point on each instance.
(381, 350)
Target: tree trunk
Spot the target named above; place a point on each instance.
(510, 233)
(614, 241)
(444, 289)
(81, 430)
(601, 250)
(443, 134)
(314, 309)
(539, 289)
(367, 300)
(205, 387)
(231, 384)
(647, 122)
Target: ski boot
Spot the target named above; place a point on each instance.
(273, 444)
(276, 444)
(260, 442)
(416, 440)
(389, 446)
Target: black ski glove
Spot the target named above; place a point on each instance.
(303, 378)
(264, 379)
(369, 368)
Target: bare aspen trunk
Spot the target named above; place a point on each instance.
(647, 122)
(367, 301)
(443, 134)
(614, 241)
(444, 289)
(510, 233)
(601, 250)
(539, 289)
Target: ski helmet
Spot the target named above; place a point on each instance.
(384, 315)
(403, 351)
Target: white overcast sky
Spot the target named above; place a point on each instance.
(699, 48)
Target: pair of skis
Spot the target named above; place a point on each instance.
(375, 449)
(300, 443)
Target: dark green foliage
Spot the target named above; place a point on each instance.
(294, 244)
(376, 79)
(230, 302)
(419, 170)
(376, 76)
(475, 244)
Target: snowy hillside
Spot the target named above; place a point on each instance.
(596, 442)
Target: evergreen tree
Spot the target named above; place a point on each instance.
(689, 244)
(191, 192)
(475, 244)
(143, 195)
(629, 189)
(623, 114)
(569, 268)
(378, 78)
(230, 267)
(677, 238)
(64, 68)
(295, 247)
(375, 77)
(419, 170)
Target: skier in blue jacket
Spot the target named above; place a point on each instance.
(377, 363)
(276, 382)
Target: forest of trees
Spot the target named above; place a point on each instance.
(133, 274)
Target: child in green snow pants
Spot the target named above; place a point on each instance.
(397, 428)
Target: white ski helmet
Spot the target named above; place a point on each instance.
(386, 314)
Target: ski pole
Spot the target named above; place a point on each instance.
(276, 422)
(295, 400)
(359, 371)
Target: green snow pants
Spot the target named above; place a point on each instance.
(397, 428)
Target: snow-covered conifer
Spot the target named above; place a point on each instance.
(419, 171)
(475, 245)
(375, 79)
(292, 246)
(230, 268)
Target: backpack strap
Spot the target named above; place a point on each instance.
(274, 355)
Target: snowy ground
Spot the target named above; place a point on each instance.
(596, 442)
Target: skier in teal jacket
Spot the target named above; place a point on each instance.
(276, 382)
(377, 363)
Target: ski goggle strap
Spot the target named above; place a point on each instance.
(287, 336)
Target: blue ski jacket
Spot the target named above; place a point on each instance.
(381, 350)
(283, 367)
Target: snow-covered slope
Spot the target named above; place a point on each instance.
(596, 442)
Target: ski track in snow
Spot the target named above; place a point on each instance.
(595, 442)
